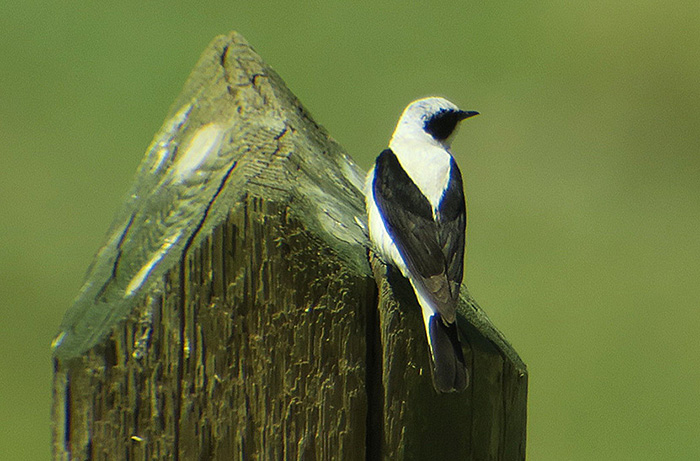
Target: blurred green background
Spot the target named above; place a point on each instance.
(583, 177)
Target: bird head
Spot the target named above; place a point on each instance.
(430, 120)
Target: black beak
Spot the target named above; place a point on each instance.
(464, 114)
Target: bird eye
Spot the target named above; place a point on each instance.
(441, 124)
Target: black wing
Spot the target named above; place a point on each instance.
(433, 250)
(452, 226)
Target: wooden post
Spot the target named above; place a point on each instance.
(233, 312)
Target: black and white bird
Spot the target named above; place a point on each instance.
(417, 221)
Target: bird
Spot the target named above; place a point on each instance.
(417, 219)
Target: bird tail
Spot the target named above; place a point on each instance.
(450, 372)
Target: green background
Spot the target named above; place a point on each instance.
(583, 178)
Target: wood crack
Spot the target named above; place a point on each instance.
(100, 294)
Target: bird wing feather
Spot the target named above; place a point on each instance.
(432, 248)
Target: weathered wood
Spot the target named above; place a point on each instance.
(233, 314)
(487, 421)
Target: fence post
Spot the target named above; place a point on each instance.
(233, 312)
